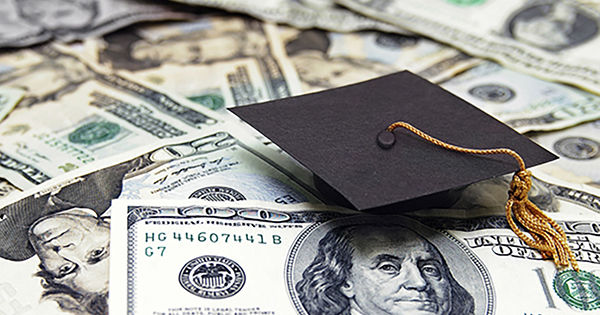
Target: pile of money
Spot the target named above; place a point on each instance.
(127, 187)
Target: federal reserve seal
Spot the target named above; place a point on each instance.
(577, 148)
(94, 132)
(212, 277)
(218, 193)
(496, 93)
(578, 289)
(212, 101)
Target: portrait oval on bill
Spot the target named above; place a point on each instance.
(385, 265)
(553, 25)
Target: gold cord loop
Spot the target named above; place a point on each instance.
(545, 234)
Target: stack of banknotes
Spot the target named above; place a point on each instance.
(126, 186)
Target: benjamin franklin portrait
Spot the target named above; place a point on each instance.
(372, 266)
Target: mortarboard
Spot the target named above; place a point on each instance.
(334, 134)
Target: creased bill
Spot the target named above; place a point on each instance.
(323, 14)
(215, 61)
(522, 101)
(29, 22)
(552, 39)
(223, 165)
(579, 151)
(84, 116)
(326, 60)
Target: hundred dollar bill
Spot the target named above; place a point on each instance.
(522, 101)
(323, 14)
(551, 39)
(216, 61)
(86, 115)
(73, 278)
(28, 22)
(307, 259)
(326, 60)
(579, 151)
(9, 98)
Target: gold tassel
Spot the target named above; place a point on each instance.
(546, 235)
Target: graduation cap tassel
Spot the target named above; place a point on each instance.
(546, 235)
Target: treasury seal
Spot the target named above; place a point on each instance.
(212, 101)
(578, 289)
(218, 193)
(94, 132)
(496, 93)
(577, 148)
(212, 277)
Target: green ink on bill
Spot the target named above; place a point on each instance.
(94, 132)
(211, 101)
(578, 289)
(466, 2)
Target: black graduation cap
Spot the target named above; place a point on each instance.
(334, 134)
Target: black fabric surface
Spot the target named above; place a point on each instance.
(333, 133)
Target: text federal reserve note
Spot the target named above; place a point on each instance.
(306, 259)
(551, 39)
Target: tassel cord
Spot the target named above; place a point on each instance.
(546, 235)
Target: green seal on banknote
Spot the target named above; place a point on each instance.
(94, 132)
(212, 101)
(578, 289)
(466, 2)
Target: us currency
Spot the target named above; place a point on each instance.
(522, 101)
(82, 115)
(324, 260)
(43, 73)
(29, 22)
(323, 14)
(590, 2)
(224, 165)
(6, 188)
(9, 98)
(12, 59)
(551, 39)
(216, 61)
(327, 60)
(579, 151)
